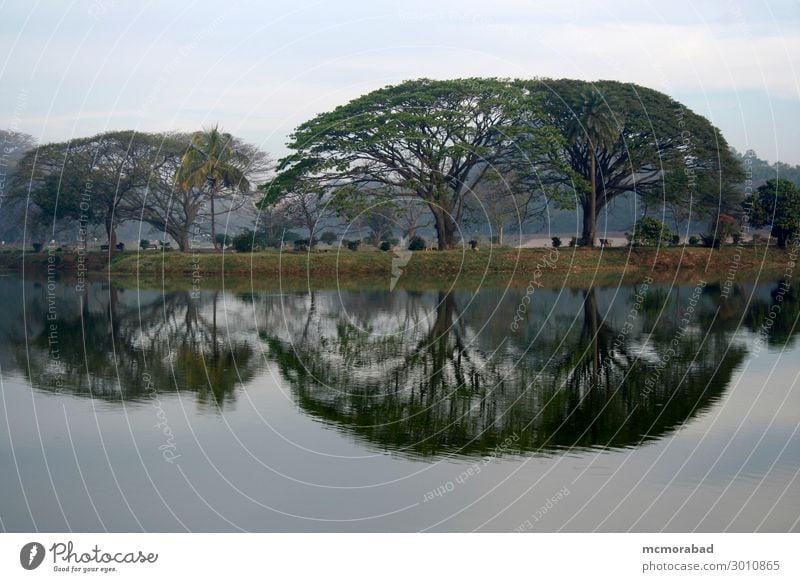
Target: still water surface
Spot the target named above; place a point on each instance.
(641, 407)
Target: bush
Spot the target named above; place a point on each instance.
(223, 240)
(648, 232)
(37, 247)
(417, 243)
(328, 237)
(556, 242)
(386, 246)
(247, 241)
(676, 239)
(694, 240)
(144, 244)
(302, 244)
(352, 244)
(711, 240)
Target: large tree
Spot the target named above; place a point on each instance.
(625, 138)
(777, 205)
(432, 139)
(90, 179)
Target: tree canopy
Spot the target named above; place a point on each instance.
(435, 140)
(777, 204)
(626, 138)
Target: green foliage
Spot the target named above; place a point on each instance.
(144, 244)
(694, 240)
(556, 242)
(417, 243)
(385, 246)
(649, 231)
(642, 141)
(248, 241)
(223, 240)
(777, 204)
(430, 138)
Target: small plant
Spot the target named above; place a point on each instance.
(37, 247)
(302, 244)
(353, 245)
(386, 246)
(573, 242)
(223, 240)
(694, 240)
(473, 244)
(649, 232)
(417, 243)
(556, 242)
(676, 239)
(144, 244)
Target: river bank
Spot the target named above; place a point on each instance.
(516, 266)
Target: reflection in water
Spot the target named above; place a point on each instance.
(419, 373)
(426, 374)
(114, 344)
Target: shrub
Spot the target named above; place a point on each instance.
(694, 240)
(223, 240)
(302, 244)
(417, 243)
(711, 240)
(353, 244)
(676, 239)
(386, 246)
(37, 247)
(247, 241)
(144, 244)
(649, 231)
(556, 242)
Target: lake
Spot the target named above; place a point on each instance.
(641, 407)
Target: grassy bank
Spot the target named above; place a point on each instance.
(568, 266)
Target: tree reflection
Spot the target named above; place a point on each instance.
(436, 387)
(114, 344)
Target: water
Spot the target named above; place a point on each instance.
(642, 407)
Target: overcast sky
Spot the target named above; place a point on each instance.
(260, 68)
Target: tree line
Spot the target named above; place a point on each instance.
(422, 153)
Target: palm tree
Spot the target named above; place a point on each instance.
(214, 163)
(592, 128)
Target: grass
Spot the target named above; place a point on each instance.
(573, 266)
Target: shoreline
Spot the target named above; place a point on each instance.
(514, 266)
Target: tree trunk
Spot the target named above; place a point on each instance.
(445, 229)
(589, 225)
(500, 235)
(111, 232)
(592, 204)
(213, 225)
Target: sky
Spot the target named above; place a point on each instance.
(75, 68)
